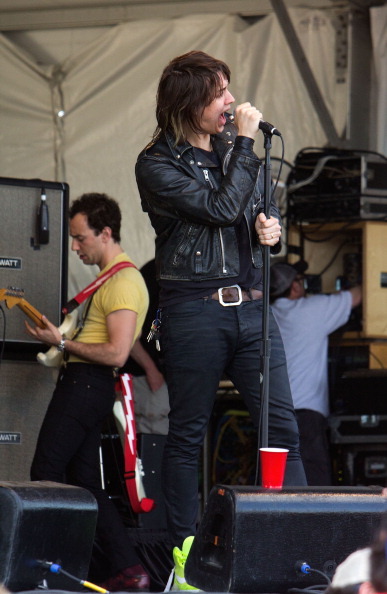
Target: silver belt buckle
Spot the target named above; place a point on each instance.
(232, 302)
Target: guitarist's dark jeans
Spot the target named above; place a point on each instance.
(68, 449)
(201, 341)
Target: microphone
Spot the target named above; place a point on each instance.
(268, 128)
(264, 126)
(43, 219)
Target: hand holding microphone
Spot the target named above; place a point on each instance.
(248, 120)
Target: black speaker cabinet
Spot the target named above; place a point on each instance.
(45, 521)
(26, 388)
(252, 540)
(33, 249)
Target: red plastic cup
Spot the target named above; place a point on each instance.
(273, 464)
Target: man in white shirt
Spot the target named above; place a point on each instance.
(305, 323)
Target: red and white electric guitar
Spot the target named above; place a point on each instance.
(126, 424)
(52, 358)
(123, 407)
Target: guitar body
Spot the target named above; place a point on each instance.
(124, 414)
(53, 357)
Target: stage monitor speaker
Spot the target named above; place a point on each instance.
(253, 540)
(49, 522)
(34, 249)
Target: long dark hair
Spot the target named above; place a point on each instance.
(187, 85)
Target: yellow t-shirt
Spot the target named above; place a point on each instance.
(126, 289)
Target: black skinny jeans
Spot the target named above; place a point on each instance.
(202, 341)
(68, 449)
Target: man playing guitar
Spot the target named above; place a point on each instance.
(69, 439)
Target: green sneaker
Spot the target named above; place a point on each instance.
(180, 557)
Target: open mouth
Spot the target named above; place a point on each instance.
(222, 119)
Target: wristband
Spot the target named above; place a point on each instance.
(61, 346)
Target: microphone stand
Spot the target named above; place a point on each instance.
(266, 342)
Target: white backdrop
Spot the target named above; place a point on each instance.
(107, 91)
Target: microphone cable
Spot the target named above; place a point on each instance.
(4, 333)
(56, 568)
(304, 568)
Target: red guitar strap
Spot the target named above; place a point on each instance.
(133, 471)
(90, 289)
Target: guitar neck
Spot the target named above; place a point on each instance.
(31, 312)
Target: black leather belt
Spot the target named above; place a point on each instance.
(234, 295)
(91, 368)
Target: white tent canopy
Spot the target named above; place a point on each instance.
(84, 118)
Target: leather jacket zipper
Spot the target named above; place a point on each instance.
(227, 159)
(249, 234)
(207, 178)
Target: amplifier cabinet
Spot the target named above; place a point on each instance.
(358, 428)
(360, 464)
(34, 249)
(329, 184)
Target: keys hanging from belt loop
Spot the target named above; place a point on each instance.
(154, 333)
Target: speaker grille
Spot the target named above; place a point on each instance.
(25, 391)
(40, 270)
(251, 539)
(45, 521)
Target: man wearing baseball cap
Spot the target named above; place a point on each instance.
(305, 323)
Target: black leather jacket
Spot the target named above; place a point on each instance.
(193, 210)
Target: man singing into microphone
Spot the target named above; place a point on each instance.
(202, 186)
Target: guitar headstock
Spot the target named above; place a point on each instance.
(12, 296)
